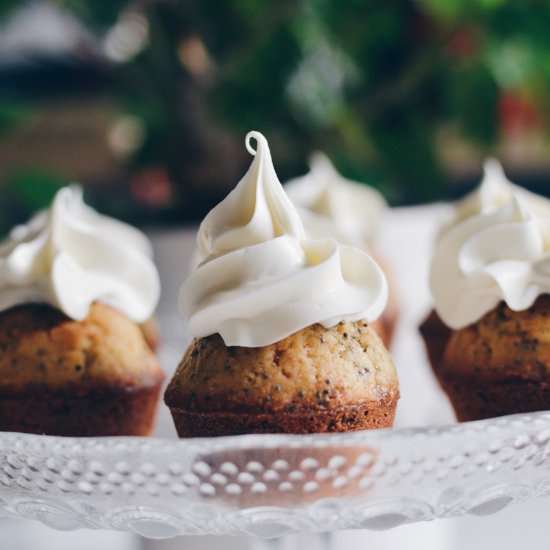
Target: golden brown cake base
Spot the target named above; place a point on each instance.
(315, 380)
(497, 366)
(477, 401)
(96, 377)
(105, 413)
(344, 419)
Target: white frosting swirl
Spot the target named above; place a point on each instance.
(333, 206)
(70, 256)
(496, 247)
(259, 279)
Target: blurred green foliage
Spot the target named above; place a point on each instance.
(391, 74)
(12, 113)
(35, 188)
(26, 191)
(369, 82)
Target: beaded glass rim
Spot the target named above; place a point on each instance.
(270, 485)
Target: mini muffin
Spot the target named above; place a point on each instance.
(488, 339)
(500, 364)
(63, 377)
(348, 211)
(283, 341)
(316, 380)
(74, 288)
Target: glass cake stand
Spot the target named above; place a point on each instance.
(270, 485)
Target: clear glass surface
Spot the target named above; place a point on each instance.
(270, 485)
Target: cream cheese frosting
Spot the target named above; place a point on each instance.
(333, 206)
(70, 256)
(259, 279)
(496, 247)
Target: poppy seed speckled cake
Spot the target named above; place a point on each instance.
(281, 322)
(488, 338)
(74, 286)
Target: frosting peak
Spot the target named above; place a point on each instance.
(259, 279)
(70, 256)
(255, 211)
(333, 206)
(496, 247)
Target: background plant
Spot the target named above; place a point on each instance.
(371, 83)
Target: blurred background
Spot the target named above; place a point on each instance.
(146, 103)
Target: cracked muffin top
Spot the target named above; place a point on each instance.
(314, 368)
(43, 349)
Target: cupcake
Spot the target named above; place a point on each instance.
(489, 337)
(74, 286)
(281, 322)
(332, 206)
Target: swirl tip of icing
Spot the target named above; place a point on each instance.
(257, 209)
(261, 142)
(319, 162)
(493, 167)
